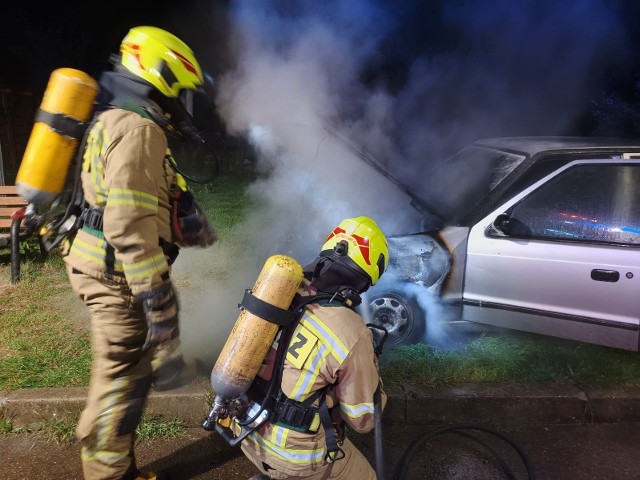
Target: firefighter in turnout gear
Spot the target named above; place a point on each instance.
(330, 371)
(138, 213)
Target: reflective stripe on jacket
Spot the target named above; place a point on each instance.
(331, 347)
(124, 172)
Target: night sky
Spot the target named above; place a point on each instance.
(38, 38)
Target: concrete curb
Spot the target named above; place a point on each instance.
(407, 404)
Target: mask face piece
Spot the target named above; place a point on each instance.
(193, 148)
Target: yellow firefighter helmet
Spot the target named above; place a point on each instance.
(361, 240)
(162, 59)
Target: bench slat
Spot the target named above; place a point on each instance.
(9, 201)
(5, 223)
(8, 190)
(7, 211)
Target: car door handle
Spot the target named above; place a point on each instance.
(605, 275)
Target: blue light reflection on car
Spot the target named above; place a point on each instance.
(579, 223)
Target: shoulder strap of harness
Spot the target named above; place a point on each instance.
(61, 227)
(334, 452)
(332, 439)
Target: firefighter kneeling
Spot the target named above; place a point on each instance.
(328, 372)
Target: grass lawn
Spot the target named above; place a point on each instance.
(523, 358)
(44, 328)
(44, 331)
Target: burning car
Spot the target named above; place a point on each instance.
(543, 237)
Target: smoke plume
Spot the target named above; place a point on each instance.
(410, 82)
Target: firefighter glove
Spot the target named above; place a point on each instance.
(190, 224)
(161, 309)
(379, 334)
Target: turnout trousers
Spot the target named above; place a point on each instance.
(353, 466)
(121, 375)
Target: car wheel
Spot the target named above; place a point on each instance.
(399, 315)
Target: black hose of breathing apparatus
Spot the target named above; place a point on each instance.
(401, 468)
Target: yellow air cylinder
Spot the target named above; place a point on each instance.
(251, 336)
(70, 94)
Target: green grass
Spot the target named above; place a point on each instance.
(59, 430)
(62, 428)
(524, 358)
(6, 426)
(41, 344)
(225, 200)
(154, 427)
(44, 331)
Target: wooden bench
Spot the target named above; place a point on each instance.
(12, 230)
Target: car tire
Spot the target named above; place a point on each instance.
(400, 315)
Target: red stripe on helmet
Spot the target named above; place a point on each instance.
(335, 232)
(187, 64)
(363, 245)
(135, 52)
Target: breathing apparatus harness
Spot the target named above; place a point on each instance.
(265, 400)
(78, 213)
(72, 218)
(117, 90)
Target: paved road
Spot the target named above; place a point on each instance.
(555, 452)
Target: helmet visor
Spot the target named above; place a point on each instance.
(185, 97)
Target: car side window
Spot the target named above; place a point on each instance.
(587, 202)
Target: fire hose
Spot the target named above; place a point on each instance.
(401, 468)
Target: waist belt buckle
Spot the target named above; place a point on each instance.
(314, 426)
(297, 417)
(92, 218)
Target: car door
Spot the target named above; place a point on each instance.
(565, 259)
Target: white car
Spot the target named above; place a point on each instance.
(540, 234)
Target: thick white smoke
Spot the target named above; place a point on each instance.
(409, 81)
(297, 73)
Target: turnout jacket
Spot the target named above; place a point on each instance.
(126, 172)
(331, 348)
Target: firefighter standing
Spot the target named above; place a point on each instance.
(330, 364)
(118, 262)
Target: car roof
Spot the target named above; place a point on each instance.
(530, 146)
(462, 202)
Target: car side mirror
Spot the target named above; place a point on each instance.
(502, 224)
